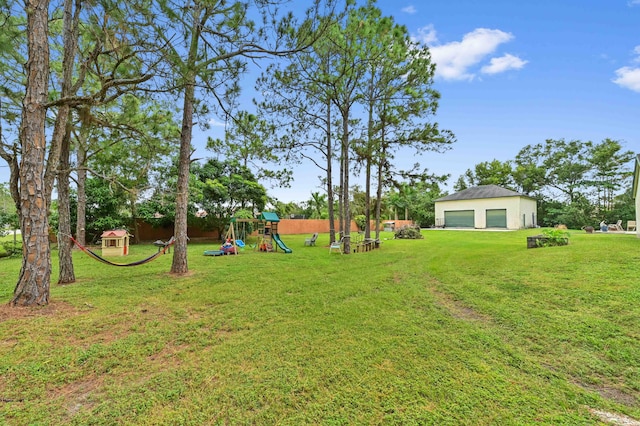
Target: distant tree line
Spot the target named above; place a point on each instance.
(575, 183)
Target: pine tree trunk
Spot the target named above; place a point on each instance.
(81, 211)
(381, 162)
(35, 275)
(67, 273)
(179, 264)
(369, 159)
(345, 184)
(62, 140)
(134, 216)
(340, 200)
(330, 194)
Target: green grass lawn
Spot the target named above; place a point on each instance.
(465, 328)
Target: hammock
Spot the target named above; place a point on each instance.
(99, 258)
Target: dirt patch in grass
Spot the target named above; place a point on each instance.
(175, 275)
(611, 393)
(613, 418)
(456, 308)
(169, 357)
(77, 395)
(54, 308)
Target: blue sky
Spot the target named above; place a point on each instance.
(515, 73)
(512, 73)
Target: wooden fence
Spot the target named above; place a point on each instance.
(146, 232)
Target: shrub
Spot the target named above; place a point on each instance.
(410, 232)
(552, 237)
(361, 221)
(7, 249)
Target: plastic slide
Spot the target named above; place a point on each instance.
(276, 238)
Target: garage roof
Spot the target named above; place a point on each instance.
(482, 191)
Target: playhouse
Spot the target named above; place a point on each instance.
(115, 242)
(268, 233)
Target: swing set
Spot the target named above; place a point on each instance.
(268, 236)
(232, 244)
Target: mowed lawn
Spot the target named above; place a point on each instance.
(466, 328)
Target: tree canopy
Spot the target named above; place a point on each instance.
(99, 104)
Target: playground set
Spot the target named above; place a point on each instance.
(268, 237)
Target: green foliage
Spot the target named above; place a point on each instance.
(226, 187)
(361, 221)
(245, 227)
(7, 206)
(286, 210)
(8, 219)
(409, 232)
(553, 237)
(105, 208)
(9, 248)
(576, 183)
(417, 200)
(624, 207)
(317, 206)
(574, 215)
(245, 141)
(10, 244)
(488, 173)
(159, 210)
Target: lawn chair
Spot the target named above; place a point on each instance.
(616, 227)
(631, 225)
(311, 241)
(336, 245)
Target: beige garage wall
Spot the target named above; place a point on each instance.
(517, 208)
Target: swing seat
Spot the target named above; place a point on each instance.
(240, 243)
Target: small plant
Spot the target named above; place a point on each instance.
(9, 249)
(361, 221)
(553, 237)
(410, 232)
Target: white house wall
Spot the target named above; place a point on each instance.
(638, 205)
(528, 210)
(636, 189)
(516, 207)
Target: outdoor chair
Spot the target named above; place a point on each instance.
(616, 227)
(631, 225)
(311, 241)
(336, 245)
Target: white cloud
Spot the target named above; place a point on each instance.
(502, 64)
(409, 9)
(427, 35)
(456, 60)
(214, 123)
(628, 78)
(633, 2)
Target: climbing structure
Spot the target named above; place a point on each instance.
(269, 238)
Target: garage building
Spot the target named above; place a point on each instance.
(486, 206)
